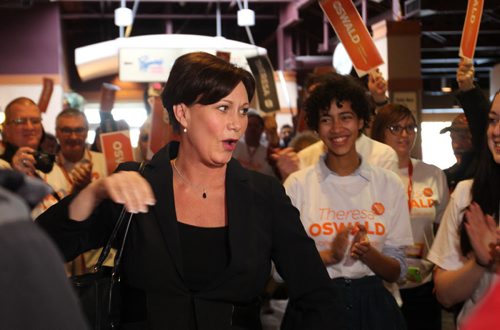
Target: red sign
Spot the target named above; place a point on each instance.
(471, 29)
(48, 88)
(116, 148)
(353, 34)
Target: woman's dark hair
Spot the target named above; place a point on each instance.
(389, 114)
(338, 88)
(202, 78)
(484, 189)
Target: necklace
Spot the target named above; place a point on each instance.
(204, 194)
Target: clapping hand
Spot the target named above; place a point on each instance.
(361, 244)
(483, 234)
(81, 175)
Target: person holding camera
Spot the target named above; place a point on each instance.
(22, 133)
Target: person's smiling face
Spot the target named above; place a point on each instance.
(401, 136)
(23, 126)
(339, 129)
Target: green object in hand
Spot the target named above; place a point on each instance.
(414, 274)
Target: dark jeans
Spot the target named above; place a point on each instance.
(420, 308)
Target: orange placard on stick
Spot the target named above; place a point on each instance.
(48, 88)
(353, 34)
(161, 131)
(116, 148)
(471, 29)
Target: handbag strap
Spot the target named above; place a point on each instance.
(107, 248)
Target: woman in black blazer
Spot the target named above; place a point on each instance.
(205, 231)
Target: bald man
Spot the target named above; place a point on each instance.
(22, 133)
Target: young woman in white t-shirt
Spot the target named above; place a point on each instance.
(356, 213)
(427, 194)
(467, 246)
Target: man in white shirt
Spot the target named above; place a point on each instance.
(80, 165)
(373, 152)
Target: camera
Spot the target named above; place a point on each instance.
(44, 161)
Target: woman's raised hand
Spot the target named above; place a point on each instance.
(128, 188)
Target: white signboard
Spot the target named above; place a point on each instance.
(147, 64)
(154, 64)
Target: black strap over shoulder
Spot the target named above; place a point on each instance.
(107, 248)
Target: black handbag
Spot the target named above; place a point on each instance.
(98, 291)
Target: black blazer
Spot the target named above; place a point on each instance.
(263, 227)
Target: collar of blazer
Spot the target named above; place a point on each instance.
(242, 236)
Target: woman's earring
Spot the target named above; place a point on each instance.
(185, 130)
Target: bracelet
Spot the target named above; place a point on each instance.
(476, 260)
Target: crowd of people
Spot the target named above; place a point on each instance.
(354, 231)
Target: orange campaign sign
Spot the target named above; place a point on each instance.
(161, 131)
(116, 148)
(471, 28)
(353, 34)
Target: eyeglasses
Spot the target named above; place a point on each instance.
(69, 131)
(25, 120)
(397, 129)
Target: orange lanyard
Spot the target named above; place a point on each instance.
(410, 183)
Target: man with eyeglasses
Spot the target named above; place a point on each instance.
(22, 132)
(79, 165)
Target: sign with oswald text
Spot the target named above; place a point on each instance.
(353, 34)
(471, 29)
(266, 87)
(116, 148)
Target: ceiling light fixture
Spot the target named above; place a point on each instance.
(246, 17)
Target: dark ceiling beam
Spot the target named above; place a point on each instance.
(459, 32)
(480, 75)
(165, 16)
(176, 1)
(455, 49)
(455, 60)
(453, 70)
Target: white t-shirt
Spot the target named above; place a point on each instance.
(429, 197)
(371, 196)
(373, 152)
(98, 169)
(445, 251)
(253, 158)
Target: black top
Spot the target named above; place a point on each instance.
(476, 107)
(263, 227)
(205, 254)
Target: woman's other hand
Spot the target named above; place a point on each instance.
(482, 232)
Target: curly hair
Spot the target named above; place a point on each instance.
(338, 88)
